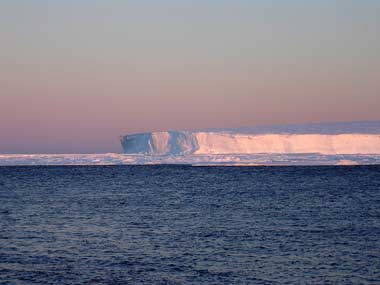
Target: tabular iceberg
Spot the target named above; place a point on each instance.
(313, 144)
(326, 139)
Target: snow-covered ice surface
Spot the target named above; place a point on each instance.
(354, 143)
(197, 160)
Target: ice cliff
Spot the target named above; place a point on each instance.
(327, 139)
(161, 143)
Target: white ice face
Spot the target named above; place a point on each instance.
(326, 139)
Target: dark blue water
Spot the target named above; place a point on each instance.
(189, 225)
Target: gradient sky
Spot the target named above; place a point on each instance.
(77, 74)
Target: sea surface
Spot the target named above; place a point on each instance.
(189, 225)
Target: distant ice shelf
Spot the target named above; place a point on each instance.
(190, 159)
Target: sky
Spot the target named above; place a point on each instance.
(75, 75)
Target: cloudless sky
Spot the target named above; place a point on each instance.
(77, 74)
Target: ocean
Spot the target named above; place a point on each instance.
(173, 224)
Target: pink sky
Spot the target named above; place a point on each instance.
(72, 83)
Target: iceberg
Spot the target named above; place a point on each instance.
(357, 138)
(347, 144)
